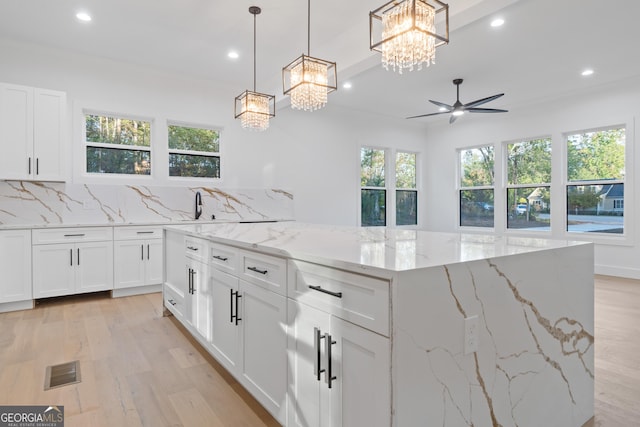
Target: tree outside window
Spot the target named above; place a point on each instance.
(373, 194)
(194, 151)
(406, 189)
(476, 186)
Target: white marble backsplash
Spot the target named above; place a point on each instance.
(50, 203)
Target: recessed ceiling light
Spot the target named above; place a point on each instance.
(587, 72)
(498, 22)
(347, 85)
(83, 16)
(233, 54)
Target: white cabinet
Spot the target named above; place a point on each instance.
(32, 127)
(15, 265)
(339, 370)
(72, 261)
(137, 255)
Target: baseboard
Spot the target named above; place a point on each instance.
(628, 273)
(138, 290)
(16, 306)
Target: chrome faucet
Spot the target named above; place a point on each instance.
(198, 204)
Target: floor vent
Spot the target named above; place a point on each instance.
(61, 375)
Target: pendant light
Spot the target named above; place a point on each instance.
(254, 108)
(308, 80)
(407, 30)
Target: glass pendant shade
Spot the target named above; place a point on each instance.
(255, 109)
(308, 81)
(408, 37)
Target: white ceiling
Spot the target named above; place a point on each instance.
(537, 55)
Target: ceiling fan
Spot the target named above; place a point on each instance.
(459, 108)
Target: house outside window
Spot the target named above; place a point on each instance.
(194, 151)
(117, 145)
(476, 186)
(596, 180)
(528, 177)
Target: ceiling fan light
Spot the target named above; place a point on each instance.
(408, 37)
(458, 113)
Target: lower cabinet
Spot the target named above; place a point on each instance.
(137, 253)
(15, 265)
(339, 372)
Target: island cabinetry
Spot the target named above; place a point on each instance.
(72, 261)
(339, 350)
(198, 292)
(137, 255)
(32, 124)
(15, 265)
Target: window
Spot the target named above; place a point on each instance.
(528, 184)
(117, 145)
(194, 151)
(373, 194)
(595, 175)
(476, 186)
(406, 189)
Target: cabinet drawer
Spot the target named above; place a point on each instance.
(173, 301)
(223, 257)
(362, 300)
(137, 232)
(264, 270)
(65, 235)
(195, 248)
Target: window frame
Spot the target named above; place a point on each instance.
(460, 188)
(413, 189)
(170, 151)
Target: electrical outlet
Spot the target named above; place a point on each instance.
(470, 334)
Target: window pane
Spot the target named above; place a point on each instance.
(373, 210)
(406, 207)
(529, 208)
(112, 160)
(194, 166)
(116, 130)
(476, 208)
(596, 155)
(405, 170)
(476, 167)
(194, 139)
(529, 162)
(371, 168)
(595, 208)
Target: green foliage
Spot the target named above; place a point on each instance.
(373, 212)
(111, 160)
(477, 166)
(405, 170)
(406, 207)
(194, 166)
(193, 139)
(529, 162)
(596, 155)
(116, 130)
(588, 198)
(371, 168)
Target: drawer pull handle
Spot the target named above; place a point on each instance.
(257, 270)
(74, 235)
(221, 258)
(145, 232)
(192, 248)
(172, 302)
(324, 291)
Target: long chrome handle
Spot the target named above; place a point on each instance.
(145, 232)
(148, 255)
(324, 291)
(190, 280)
(29, 165)
(257, 270)
(37, 165)
(231, 316)
(74, 235)
(317, 361)
(78, 260)
(238, 318)
(221, 258)
(328, 376)
(142, 252)
(193, 281)
(71, 257)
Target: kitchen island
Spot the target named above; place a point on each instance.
(348, 326)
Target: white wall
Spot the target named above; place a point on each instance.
(313, 155)
(605, 106)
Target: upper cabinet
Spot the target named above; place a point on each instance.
(32, 127)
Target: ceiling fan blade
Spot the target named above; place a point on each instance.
(486, 110)
(452, 119)
(427, 115)
(442, 104)
(483, 100)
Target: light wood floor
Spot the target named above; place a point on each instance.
(140, 369)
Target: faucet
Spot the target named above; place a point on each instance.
(198, 204)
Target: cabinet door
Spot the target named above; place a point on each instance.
(53, 270)
(48, 140)
(201, 300)
(306, 362)
(264, 347)
(153, 268)
(15, 264)
(16, 131)
(225, 334)
(360, 361)
(129, 261)
(94, 266)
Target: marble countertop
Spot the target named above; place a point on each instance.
(373, 248)
(127, 224)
